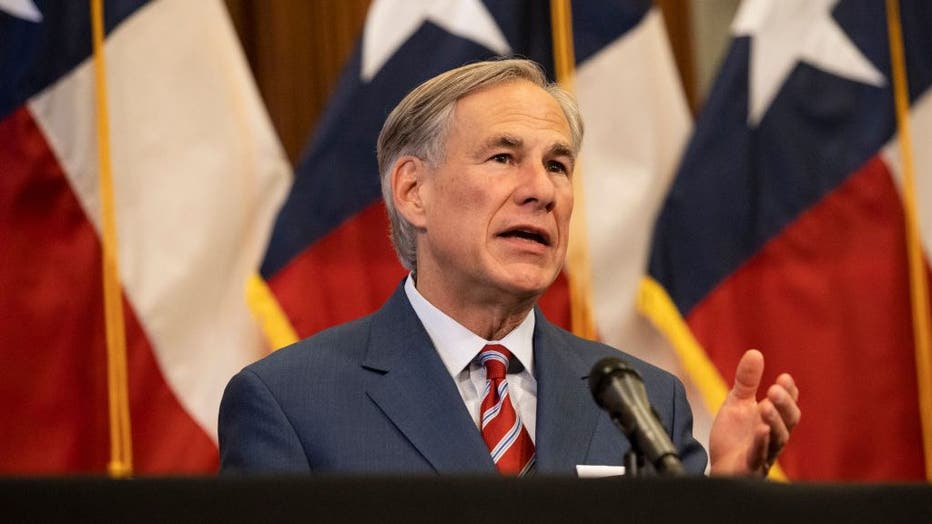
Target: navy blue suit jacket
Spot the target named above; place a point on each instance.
(373, 396)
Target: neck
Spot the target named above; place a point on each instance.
(490, 317)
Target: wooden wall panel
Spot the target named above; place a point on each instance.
(677, 17)
(296, 49)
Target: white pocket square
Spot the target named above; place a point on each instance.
(592, 472)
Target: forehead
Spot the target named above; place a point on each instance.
(514, 106)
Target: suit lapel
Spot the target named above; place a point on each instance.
(566, 419)
(417, 394)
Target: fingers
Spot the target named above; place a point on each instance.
(784, 395)
(748, 375)
(778, 433)
(758, 460)
(780, 412)
(786, 380)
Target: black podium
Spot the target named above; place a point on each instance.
(444, 500)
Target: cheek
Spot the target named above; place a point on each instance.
(467, 203)
(459, 211)
(468, 196)
(564, 209)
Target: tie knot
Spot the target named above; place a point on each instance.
(495, 359)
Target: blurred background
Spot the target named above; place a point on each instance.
(297, 49)
(199, 189)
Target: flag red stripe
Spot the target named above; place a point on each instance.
(828, 301)
(348, 273)
(52, 343)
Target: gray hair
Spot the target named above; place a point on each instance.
(418, 126)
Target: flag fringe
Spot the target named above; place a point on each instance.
(265, 308)
(655, 304)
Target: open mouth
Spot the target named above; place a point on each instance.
(532, 235)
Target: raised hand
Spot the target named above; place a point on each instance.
(748, 435)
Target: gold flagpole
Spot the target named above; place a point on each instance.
(121, 450)
(919, 290)
(579, 272)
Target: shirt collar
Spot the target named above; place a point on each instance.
(457, 345)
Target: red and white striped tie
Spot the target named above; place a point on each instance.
(508, 440)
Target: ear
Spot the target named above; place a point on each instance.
(408, 177)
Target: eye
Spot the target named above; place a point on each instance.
(501, 158)
(557, 167)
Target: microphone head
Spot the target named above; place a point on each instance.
(619, 389)
(604, 370)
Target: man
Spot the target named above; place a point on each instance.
(459, 372)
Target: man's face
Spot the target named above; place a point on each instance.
(497, 208)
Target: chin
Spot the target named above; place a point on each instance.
(532, 284)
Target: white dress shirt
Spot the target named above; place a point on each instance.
(458, 348)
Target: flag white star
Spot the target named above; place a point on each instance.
(25, 9)
(390, 23)
(785, 32)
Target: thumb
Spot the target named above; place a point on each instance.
(748, 374)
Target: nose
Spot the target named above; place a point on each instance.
(536, 187)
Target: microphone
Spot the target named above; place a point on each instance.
(618, 388)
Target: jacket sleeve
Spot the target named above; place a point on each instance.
(254, 432)
(692, 454)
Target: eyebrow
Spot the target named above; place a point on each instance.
(563, 150)
(512, 142)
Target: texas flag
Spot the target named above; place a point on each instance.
(330, 259)
(784, 229)
(198, 176)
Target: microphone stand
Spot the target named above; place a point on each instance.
(636, 465)
(633, 461)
